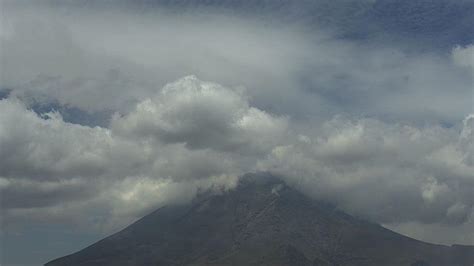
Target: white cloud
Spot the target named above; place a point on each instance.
(388, 172)
(192, 135)
(203, 115)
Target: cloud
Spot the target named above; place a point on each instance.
(48, 148)
(192, 135)
(196, 135)
(46, 161)
(437, 233)
(464, 56)
(113, 59)
(391, 173)
(203, 115)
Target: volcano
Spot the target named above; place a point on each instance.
(262, 221)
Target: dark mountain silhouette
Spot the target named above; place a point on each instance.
(261, 222)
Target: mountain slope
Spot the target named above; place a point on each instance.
(261, 222)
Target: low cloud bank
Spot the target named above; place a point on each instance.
(195, 135)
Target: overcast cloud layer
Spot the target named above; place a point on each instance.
(106, 115)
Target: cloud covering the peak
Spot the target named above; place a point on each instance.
(196, 135)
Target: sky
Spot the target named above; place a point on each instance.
(111, 110)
